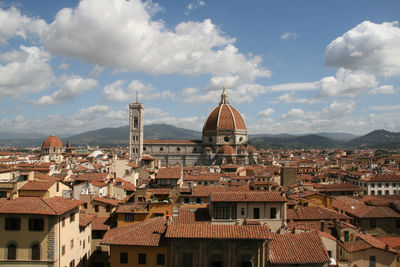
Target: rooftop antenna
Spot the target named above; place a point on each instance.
(137, 97)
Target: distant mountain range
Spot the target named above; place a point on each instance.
(119, 136)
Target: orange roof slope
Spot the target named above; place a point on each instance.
(52, 141)
(147, 233)
(299, 248)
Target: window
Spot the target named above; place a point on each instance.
(11, 252)
(72, 263)
(96, 208)
(346, 236)
(84, 244)
(198, 200)
(85, 205)
(123, 257)
(58, 187)
(398, 224)
(387, 184)
(160, 259)
(63, 222)
(126, 171)
(226, 138)
(142, 258)
(72, 243)
(372, 185)
(72, 217)
(256, 213)
(129, 217)
(108, 208)
(36, 224)
(63, 250)
(242, 211)
(273, 213)
(372, 192)
(35, 252)
(372, 261)
(379, 185)
(372, 223)
(386, 192)
(13, 224)
(379, 192)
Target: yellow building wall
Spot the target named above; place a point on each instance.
(362, 258)
(133, 255)
(23, 238)
(160, 208)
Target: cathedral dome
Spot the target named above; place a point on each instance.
(226, 150)
(224, 117)
(52, 141)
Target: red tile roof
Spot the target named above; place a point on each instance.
(247, 197)
(147, 233)
(85, 219)
(169, 173)
(109, 201)
(302, 248)
(100, 223)
(314, 213)
(217, 231)
(37, 186)
(215, 177)
(359, 209)
(382, 178)
(38, 205)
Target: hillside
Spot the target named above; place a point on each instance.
(119, 136)
(285, 140)
(377, 139)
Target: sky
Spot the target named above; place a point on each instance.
(293, 67)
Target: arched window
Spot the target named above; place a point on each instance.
(36, 252)
(135, 122)
(12, 252)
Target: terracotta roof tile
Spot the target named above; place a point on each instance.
(314, 213)
(109, 201)
(147, 233)
(100, 223)
(85, 219)
(38, 205)
(169, 173)
(217, 231)
(299, 248)
(37, 186)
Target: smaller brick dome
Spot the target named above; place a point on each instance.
(226, 150)
(52, 141)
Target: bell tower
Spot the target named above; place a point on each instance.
(136, 131)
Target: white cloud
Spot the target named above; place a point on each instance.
(292, 98)
(127, 38)
(346, 83)
(25, 71)
(368, 47)
(266, 112)
(338, 109)
(96, 71)
(70, 87)
(293, 87)
(14, 24)
(154, 112)
(193, 6)
(116, 92)
(384, 89)
(294, 113)
(63, 66)
(289, 35)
